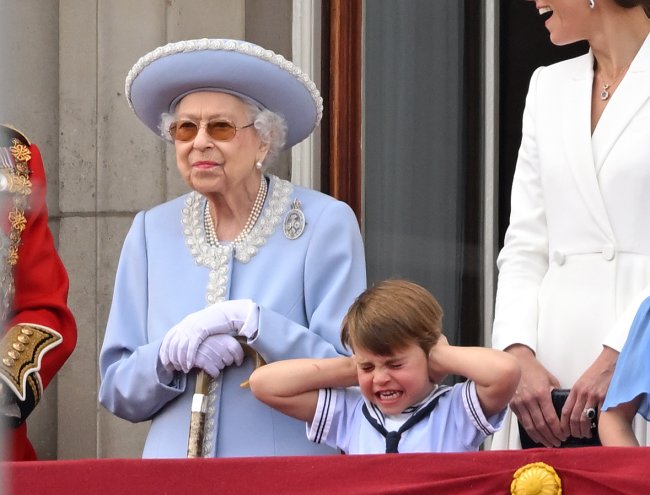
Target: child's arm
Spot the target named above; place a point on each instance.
(292, 386)
(495, 373)
(615, 425)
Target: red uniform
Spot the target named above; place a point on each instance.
(39, 331)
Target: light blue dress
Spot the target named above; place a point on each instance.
(632, 374)
(167, 270)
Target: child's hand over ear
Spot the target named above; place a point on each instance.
(437, 368)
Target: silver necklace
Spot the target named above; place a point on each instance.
(605, 93)
(208, 224)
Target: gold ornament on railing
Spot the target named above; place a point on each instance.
(537, 478)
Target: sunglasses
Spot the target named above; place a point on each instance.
(219, 130)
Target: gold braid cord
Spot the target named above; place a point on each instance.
(537, 478)
(19, 184)
(21, 351)
(15, 187)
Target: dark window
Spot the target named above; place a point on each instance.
(422, 176)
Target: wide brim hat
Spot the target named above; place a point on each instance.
(159, 80)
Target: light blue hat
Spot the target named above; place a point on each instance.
(158, 81)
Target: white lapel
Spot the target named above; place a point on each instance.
(629, 97)
(576, 123)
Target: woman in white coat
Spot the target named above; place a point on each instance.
(577, 251)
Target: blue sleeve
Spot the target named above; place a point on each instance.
(131, 385)
(631, 377)
(335, 274)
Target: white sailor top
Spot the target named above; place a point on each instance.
(455, 424)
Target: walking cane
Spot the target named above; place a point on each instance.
(197, 420)
(200, 401)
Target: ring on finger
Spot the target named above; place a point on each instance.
(590, 412)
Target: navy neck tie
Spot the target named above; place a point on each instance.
(393, 437)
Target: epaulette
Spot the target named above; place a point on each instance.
(21, 351)
(7, 135)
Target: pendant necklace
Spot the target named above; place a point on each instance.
(605, 93)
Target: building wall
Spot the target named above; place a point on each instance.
(65, 90)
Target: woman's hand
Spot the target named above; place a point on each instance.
(180, 344)
(216, 352)
(532, 401)
(588, 391)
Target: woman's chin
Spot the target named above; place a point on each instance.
(559, 40)
(205, 185)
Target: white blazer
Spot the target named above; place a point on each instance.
(577, 251)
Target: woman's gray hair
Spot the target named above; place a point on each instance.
(166, 120)
(271, 127)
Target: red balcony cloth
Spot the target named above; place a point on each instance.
(592, 471)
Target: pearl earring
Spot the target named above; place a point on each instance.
(258, 165)
(592, 4)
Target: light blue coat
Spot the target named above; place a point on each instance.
(167, 270)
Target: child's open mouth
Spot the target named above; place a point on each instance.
(389, 395)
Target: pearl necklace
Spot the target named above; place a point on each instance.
(208, 224)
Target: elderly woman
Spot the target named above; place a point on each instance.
(245, 259)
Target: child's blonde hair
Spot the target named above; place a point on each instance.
(391, 315)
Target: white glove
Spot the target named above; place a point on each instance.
(216, 352)
(179, 346)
